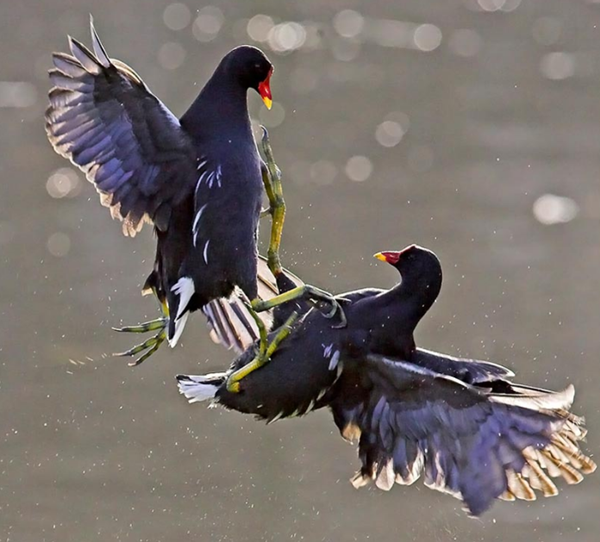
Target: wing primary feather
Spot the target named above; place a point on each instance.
(84, 56)
(99, 49)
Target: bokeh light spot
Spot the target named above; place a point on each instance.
(286, 37)
(208, 23)
(259, 26)
(171, 55)
(558, 66)
(359, 168)
(348, 23)
(177, 16)
(550, 209)
(427, 37)
(389, 133)
(58, 244)
(64, 182)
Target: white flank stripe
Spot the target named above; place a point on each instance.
(205, 253)
(200, 179)
(197, 222)
(209, 179)
(219, 175)
(185, 290)
(201, 165)
(334, 360)
(327, 350)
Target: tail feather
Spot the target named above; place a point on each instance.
(197, 388)
(229, 321)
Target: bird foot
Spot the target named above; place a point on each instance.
(149, 346)
(322, 296)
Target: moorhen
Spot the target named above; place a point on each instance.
(461, 423)
(198, 180)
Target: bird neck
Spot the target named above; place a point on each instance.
(221, 103)
(412, 298)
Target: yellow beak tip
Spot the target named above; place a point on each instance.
(380, 256)
(268, 102)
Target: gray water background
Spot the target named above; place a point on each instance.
(504, 110)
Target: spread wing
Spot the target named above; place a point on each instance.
(476, 446)
(228, 319)
(471, 371)
(103, 118)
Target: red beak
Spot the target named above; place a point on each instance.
(388, 257)
(264, 89)
(392, 257)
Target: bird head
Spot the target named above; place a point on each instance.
(251, 67)
(413, 262)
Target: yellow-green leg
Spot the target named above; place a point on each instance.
(264, 353)
(271, 175)
(305, 291)
(273, 187)
(153, 343)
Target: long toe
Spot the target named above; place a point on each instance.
(149, 346)
(152, 325)
(145, 356)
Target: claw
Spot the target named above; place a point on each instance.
(335, 306)
(343, 320)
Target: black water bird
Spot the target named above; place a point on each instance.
(198, 180)
(461, 424)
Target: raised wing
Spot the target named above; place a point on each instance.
(412, 421)
(103, 118)
(230, 322)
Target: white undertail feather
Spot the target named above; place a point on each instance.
(185, 289)
(197, 388)
(179, 327)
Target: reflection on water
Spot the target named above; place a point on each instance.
(471, 127)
